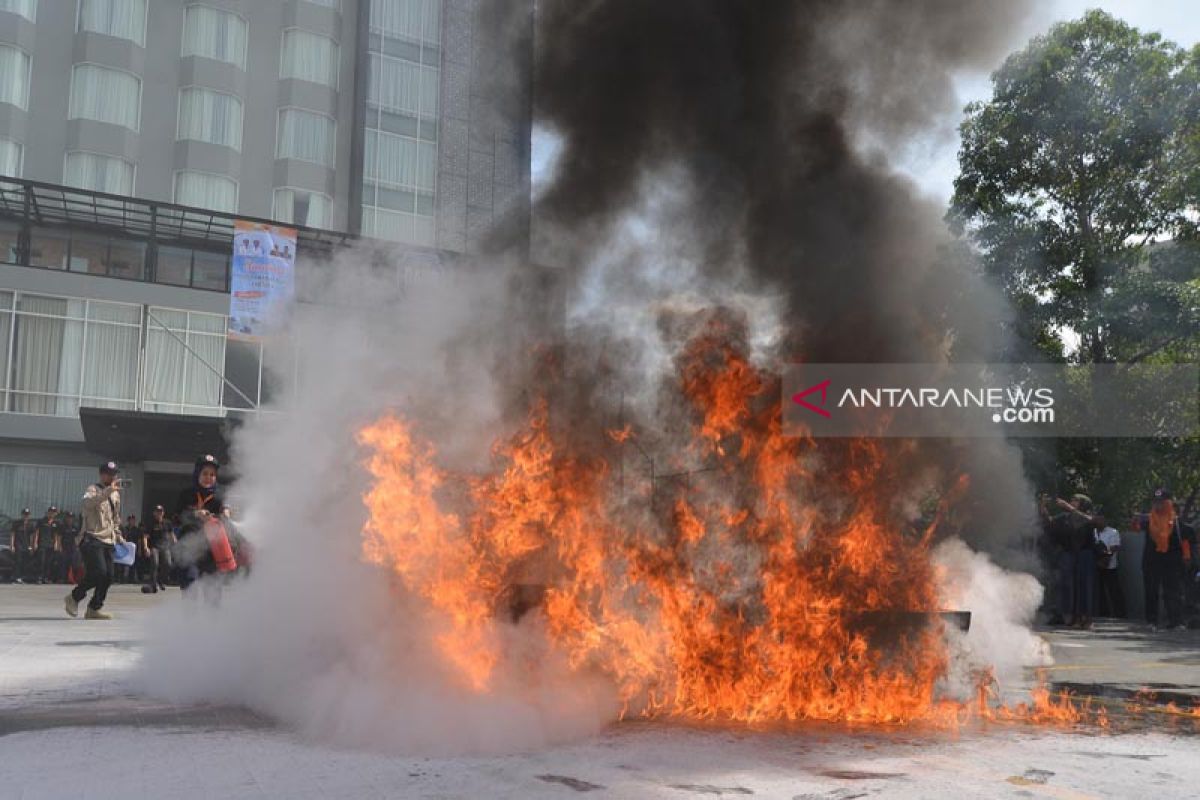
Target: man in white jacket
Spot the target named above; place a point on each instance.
(101, 534)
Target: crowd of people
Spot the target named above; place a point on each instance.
(198, 538)
(1083, 550)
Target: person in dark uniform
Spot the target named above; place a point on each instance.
(24, 530)
(47, 544)
(1072, 533)
(197, 504)
(1167, 549)
(157, 541)
(69, 563)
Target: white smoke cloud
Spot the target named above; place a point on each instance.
(1002, 606)
(317, 639)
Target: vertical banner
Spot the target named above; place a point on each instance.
(262, 281)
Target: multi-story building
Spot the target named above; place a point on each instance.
(135, 131)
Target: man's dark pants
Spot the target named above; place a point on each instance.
(24, 558)
(46, 564)
(1112, 599)
(160, 559)
(1163, 571)
(97, 572)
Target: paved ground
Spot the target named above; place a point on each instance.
(1120, 659)
(72, 723)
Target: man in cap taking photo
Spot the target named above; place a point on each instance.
(101, 534)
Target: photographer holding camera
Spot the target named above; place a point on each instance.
(101, 534)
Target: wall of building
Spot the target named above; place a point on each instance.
(56, 47)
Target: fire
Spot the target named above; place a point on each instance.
(733, 590)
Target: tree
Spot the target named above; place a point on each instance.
(1084, 156)
(1079, 183)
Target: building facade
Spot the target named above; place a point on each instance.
(134, 132)
(388, 118)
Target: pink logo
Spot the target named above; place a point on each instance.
(821, 387)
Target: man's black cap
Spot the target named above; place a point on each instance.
(52, 508)
(1162, 494)
(110, 467)
(25, 511)
(159, 508)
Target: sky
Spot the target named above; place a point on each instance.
(932, 162)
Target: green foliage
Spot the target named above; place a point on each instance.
(1079, 185)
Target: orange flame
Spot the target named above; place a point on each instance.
(737, 593)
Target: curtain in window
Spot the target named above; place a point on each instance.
(48, 355)
(326, 3)
(165, 361)
(106, 95)
(98, 173)
(302, 208)
(399, 85)
(306, 135)
(212, 33)
(111, 354)
(177, 380)
(206, 336)
(125, 19)
(205, 190)
(408, 19)
(38, 487)
(26, 8)
(309, 57)
(14, 76)
(6, 299)
(398, 226)
(400, 161)
(209, 116)
(10, 158)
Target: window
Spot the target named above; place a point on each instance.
(395, 84)
(127, 259)
(69, 352)
(306, 136)
(124, 19)
(205, 190)
(26, 8)
(105, 95)
(212, 33)
(89, 254)
(208, 116)
(49, 248)
(10, 240)
(14, 76)
(6, 318)
(210, 271)
(300, 207)
(10, 158)
(379, 223)
(173, 266)
(98, 173)
(309, 57)
(177, 380)
(400, 161)
(419, 20)
(326, 3)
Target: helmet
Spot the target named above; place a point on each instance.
(208, 460)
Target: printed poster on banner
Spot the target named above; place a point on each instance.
(262, 280)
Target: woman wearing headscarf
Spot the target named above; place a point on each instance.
(203, 547)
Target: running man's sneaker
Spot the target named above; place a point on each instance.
(95, 613)
(71, 604)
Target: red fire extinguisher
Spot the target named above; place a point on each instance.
(218, 544)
